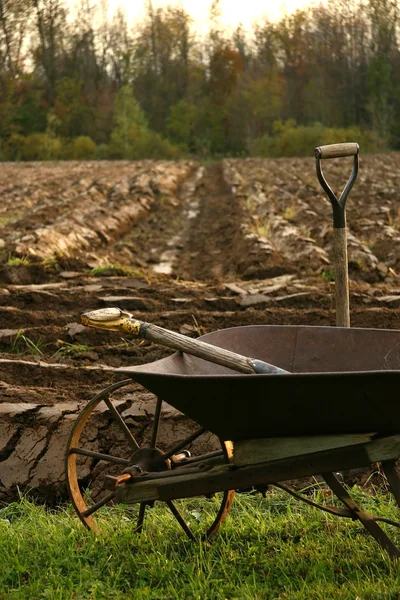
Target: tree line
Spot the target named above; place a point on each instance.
(76, 84)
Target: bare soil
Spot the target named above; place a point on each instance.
(192, 248)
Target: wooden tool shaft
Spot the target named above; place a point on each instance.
(214, 354)
(341, 277)
(115, 319)
(339, 224)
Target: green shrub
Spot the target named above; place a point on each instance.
(290, 139)
(261, 146)
(12, 148)
(155, 146)
(41, 146)
(83, 147)
(102, 152)
(137, 142)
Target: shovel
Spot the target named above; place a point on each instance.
(115, 319)
(339, 225)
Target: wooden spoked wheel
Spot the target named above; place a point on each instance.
(91, 457)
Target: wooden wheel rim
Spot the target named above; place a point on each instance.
(70, 457)
(72, 479)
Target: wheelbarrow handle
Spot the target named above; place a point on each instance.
(115, 319)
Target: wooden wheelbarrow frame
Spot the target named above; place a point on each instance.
(307, 456)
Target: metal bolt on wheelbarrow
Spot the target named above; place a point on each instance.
(283, 402)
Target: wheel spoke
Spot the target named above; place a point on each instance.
(139, 524)
(98, 505)
(100, 456)
(119, 420)
(154, 430)
(180, 519)
(184, 443)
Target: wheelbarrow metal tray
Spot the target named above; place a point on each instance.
(343, 380)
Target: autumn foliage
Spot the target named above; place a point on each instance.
(75, 84)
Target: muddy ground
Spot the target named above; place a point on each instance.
(190, 247)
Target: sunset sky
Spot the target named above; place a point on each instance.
(233, 11)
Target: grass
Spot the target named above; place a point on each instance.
(68, 349)
(16, 261)
(200, 330)
(394, 220)
(328, 274)
(251, 204)
(263, 229)
(273, 548)
(6, 219)
(22, 344)
(51, 263)
(290, 212)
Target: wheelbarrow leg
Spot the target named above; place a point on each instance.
(389, 469)
(369, 523)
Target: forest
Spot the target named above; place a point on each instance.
(79, 84)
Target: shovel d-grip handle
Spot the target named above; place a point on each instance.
(339, 225)
(337, 150)
(115, 319)
(338, 204)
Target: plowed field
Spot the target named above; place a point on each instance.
(192, 248)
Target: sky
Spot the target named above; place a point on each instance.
(233, 12)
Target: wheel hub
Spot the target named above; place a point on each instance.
(149, 460)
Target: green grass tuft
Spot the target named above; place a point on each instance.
(68, 349)
(328, 274)
(22, 344)
(16, 261)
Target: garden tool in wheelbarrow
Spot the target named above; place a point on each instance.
(115, 319)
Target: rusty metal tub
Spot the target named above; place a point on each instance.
(344, 380)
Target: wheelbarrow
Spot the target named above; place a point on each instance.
(282, 402)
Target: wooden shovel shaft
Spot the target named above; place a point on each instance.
(341, 277)
(214, 354)
(115, 319)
